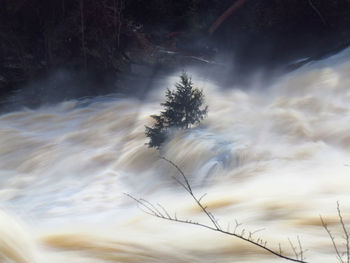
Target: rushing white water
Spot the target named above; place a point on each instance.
(274, 158)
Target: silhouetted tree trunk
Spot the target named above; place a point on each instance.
(82, 26)
(225, 15)
(118, 7)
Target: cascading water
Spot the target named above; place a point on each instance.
(273, 158)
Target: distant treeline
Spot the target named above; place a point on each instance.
(37, 36)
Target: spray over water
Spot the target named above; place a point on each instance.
(272, 158)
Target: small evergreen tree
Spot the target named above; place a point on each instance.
(182, 109)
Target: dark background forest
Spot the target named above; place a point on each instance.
(110, 39)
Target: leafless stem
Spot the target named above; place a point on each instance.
(345, 233)
(325, 226)
(214, 226)
(300, 249)
(294, 249)
(188, 188)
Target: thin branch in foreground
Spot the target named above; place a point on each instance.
(346, 233)
(188, 188)
(325, 226)
(301, 249)
(162, 213)
(339, 255)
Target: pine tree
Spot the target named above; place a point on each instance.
(182, 109)
(157, 133)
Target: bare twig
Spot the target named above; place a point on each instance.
(346, 237)
(300, 249)
(294, 249)
(188, 188)
(162, 213)
(339, 255)
(325, 226)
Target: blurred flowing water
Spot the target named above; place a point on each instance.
(274, 158)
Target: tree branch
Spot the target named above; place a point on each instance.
(148, 208)
(225, 15)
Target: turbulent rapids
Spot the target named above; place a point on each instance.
(270, 157)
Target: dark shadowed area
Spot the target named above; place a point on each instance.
(81, 48)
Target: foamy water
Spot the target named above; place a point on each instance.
(275, 158)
